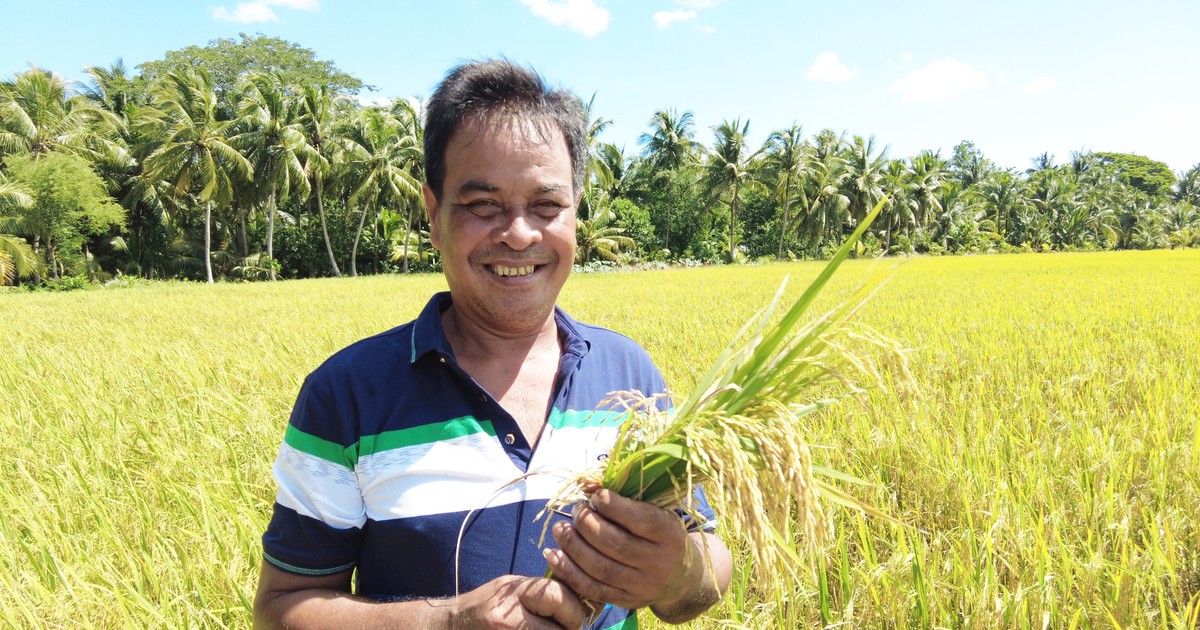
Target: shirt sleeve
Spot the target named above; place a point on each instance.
(316, 525)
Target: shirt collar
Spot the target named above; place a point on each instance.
(428, 335)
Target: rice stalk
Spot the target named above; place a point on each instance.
(741, 431)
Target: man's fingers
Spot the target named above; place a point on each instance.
(551, 600)
(588, 573)
(640, 519)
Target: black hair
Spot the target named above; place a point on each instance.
(485, 88)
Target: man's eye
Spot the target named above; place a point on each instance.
(548, 210)
(484, 209)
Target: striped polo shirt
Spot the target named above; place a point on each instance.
(393, 454)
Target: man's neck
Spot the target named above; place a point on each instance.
(518, 370)
(474, 342)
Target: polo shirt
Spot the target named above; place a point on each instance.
(397, 463)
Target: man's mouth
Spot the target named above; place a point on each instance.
(505, 271)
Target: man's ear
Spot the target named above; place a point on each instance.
(431, 206)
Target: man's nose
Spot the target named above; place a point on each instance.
(518, 232)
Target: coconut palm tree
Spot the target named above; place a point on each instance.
(17, 258)
(379, 158)
(864, 181)
(194, 153)
(667, 147)
(275, 142)
(1187, 187)
(730, 167)
(1004, 192)
(825, 205)
(39, 113)
(408, 112)
(316, 117)
(786, 159)
(598, 238)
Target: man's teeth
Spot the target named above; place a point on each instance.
(512, 271)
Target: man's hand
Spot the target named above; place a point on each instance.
(519, 602)
(633, 554)
(286, 600)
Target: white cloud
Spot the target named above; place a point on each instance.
(696, 4)
(939, 80)
(827, 67)
(906, 56)
(246, 13)
(299, 5)
(259, 11)
(1039, 85)
(664, 19)
(708, 30)
(578, 15)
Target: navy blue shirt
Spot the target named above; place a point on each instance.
(393, 452)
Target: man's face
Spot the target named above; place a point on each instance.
(506, 222)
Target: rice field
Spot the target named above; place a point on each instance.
(1049, 475)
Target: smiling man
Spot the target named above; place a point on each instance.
(416, 461)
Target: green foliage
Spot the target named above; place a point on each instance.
(1149, 176)
(634, 222)
(69, 204)
(227, 60)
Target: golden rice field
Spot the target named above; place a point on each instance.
(1049, 475)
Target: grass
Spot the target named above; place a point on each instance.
(1050, 474)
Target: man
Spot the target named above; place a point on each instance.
(421, 456)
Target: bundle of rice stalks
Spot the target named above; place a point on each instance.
(740, 432)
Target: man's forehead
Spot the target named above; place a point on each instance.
(507, 126)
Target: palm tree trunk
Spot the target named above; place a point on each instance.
(362, 219)
(243, 241)
(208, 242)
(407, 235)
(337, 273)
(787, 202)
(271, 232)
(733, 210)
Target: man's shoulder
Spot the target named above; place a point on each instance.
(382, 352)
(609, 339)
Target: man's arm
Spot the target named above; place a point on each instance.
(633, 554)
(294, 601)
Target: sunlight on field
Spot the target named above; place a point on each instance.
(1050, 473)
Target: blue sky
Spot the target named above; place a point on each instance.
(1017, 78)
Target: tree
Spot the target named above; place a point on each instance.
(825, 204)
(194, 153)
(1154, 178)
(408, 113)
(226, 60)
(595, 163)
(668, 146)
(276, 144)
(728, 168)
(114, 89)
(968, 165)
(316, 117)
(786, 156)
(17, 258)
(864, 176)
(39, 114)
(1187, 189)
(67, 203)
(598, 238)
(1004, 192)
(379, 158)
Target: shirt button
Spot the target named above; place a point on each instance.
(442, 359)
(483, 397)
(510, 438)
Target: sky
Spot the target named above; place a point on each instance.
(1017, 78)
